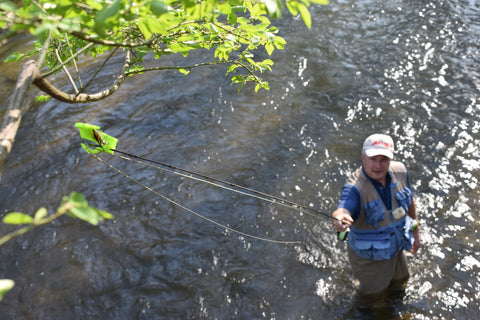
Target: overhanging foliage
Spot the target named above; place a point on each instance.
(234, 30)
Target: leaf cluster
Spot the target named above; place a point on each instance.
(75, 206)
(235, 30)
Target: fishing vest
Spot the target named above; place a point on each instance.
(378, 233)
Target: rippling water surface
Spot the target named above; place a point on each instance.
(407, 68)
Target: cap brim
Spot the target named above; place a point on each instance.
(379, 152)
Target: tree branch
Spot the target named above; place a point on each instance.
(211, 63)
(66, 71)
(125, 44)
(98, 70)
(17, 105)
(44, 85)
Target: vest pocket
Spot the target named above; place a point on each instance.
(374, 212)
(404, 198)
(372, 249)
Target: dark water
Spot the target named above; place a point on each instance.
(407, 68)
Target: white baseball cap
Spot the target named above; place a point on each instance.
(378, 144)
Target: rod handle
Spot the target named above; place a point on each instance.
(342, 236)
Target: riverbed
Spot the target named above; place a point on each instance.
(406, 68)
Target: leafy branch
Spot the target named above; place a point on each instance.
(75, 206)
(161, 27)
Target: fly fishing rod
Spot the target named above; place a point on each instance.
(107, 144)
(235, 188)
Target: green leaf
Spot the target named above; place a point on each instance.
(293, 7)
(81, 210)
(145, 29)
(104, 214)
(323, 2)
(69, 25)
(104, 18)
(185, 72)
(280, 43)
(269, 47)
(8, 6)
(149, 26)
(232, 18)
(224, 7)
(17, 218)
(305, 14)
(87, 214)
(88, 149)
(156, 26)
(43, 31)
(158, 7)
(77, 199)
(16, 56)
(232, 68)
(274, 8)
(43, 98)
(39, 215)
(86, 131)
(239, 8)
(90, 132)
(5, 286)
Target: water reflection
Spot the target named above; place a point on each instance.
(407, 68)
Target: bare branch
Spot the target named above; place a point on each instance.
(74, 61)
(211, 63)
(44, 85)
(98, 70)
(16, 107)
(66, 71)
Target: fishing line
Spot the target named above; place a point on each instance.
(222, 184)
(188, 209)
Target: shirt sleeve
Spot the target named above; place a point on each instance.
(350, 200)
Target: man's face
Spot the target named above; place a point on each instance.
(376, 167)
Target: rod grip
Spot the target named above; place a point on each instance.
(342, 236)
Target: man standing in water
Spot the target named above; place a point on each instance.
(377, 205)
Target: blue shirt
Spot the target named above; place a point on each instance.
(350, 198)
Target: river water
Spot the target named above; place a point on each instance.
(407, 68)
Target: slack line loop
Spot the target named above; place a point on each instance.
(192, 211)
(107, 144)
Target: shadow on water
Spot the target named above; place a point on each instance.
(407, 68)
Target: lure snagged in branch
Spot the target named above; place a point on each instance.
(90, 132)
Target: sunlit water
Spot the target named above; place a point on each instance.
(407, 68)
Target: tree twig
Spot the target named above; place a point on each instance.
(74, 62)
(99, 69)
(66, 71)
